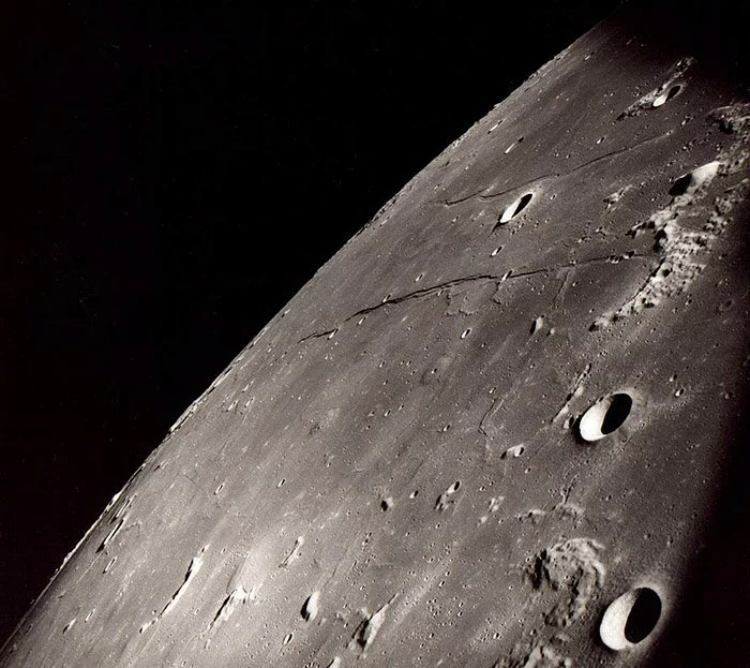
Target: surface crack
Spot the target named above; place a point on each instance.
(480, 194)
(390, 301)
(494, 278)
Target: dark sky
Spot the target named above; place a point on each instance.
(177, 174)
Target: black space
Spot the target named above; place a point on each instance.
(183, 171)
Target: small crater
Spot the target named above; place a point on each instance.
(113, 532)
(514, 452)
(513, 145)
(605, 416)
(667, 95)
(613, 199)
(196, 564)
(494, 126)
(229, 605)
(681, 185)
(630, 618)
(310, 608)
(386, 504)
(444, 501)
(294, 554)
(688, 183)
(725, 305)
(145, 627)
(515, 208)
(673, 84)
(368, 628)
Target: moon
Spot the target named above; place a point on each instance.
(500, 427)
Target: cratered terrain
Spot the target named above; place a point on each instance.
(499, 427)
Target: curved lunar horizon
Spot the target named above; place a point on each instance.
(496, 428)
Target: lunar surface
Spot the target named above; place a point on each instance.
(500, 427)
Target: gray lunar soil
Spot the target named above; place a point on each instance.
(491, 431)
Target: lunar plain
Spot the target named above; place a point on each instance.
(498, 428)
